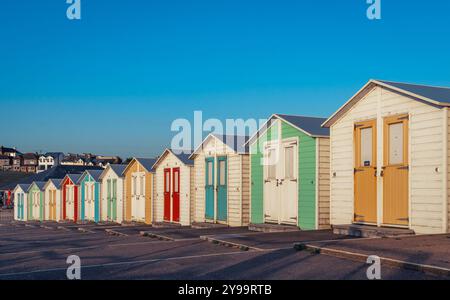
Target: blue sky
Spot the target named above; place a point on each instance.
(113, 82)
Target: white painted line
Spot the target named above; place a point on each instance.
(129, 263)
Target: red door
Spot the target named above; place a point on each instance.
(64, 214)
(167, 195)
(176, 194)
(75, 204)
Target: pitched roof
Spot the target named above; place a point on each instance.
(53, 154)
(39, 184)
(95, 174)
(237, 143)
(147, 163)
(432, 95)
(24, 187)
(311, 126)
(56, 182)
(56, 172)
(183, 157)
(118, 169)
(73, 177)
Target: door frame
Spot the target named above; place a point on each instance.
(356, 164)
(406, 158)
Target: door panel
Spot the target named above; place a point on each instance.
(395, 171)
(288, 183)
(114, 200)
(108, 200)
(271, 199)
(167, 206)
(222, 187)
(365, 178)
(209, 189)
(176, 195)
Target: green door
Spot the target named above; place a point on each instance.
(222, 206)
(114, 199)
(209, 188)
(108, 199)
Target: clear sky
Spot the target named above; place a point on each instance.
(112, 82)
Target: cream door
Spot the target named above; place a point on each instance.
(141, 211)
(288, 182)
(89, 201)
(36, 204)
(138, 202)
(271, 201)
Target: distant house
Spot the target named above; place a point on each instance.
(11, 152)
(30, 163)
(5, 163)
(16, 163)
(103, 161)
(49, 159)
(73, 160)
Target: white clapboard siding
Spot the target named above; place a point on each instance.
(170, 161)
(426, 155)
(324, 182)
(238, 194)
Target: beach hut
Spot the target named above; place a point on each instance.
(290, 173)
(112, 200)
(21, 202)
(52, 192)
(36, 201)
(389, 157)
(89, 184)
(70, 197)
(222, 180)
(174, 196)
(139, 187)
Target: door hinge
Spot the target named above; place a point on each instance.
(403, 219)
(358, 216)
(403, 168)
(266, 216)
(358, 125)
(355, 170)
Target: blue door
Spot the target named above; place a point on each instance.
(209, 188)
(222, 206)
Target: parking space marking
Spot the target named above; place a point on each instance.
(146, 261)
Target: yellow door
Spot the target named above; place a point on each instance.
(53, 207)
(395, 171)
(365, 178)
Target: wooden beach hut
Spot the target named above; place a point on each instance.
(290, 173)
(21, 202)
(390, 158)
(174, 200)
(112, 195)
(70, 197)
(90, 187)
(53, 199)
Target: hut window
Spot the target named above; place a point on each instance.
(271, 164)
(222, 172)
(167, 182)
(210, 173)
(289, 163)
(396, 143)
(175, 182)
(366, 147)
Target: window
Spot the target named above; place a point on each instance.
(396, 143)
(167, 182)
(271, 164)
(222, 175)
(289, 163)
(210, 173)
(366, 147)
(175, 181)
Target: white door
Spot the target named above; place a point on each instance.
(138, 199)
(141, 211)
(36, 203)
(271, 200)
(288, 183)
(89, 201)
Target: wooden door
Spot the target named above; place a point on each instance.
(167, 206)
(53, 209)
(365, 172)
(395, 171)
(288, 183)
(114, 200)
(176, 195)
(108, 200)
(222, 188)
(209, 189)
(271, 197)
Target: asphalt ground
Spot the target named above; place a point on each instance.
(275, 240)
(431, 250)
(40, 253)
(192, 233)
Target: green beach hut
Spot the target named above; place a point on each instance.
(290, 174)
(36, 201)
